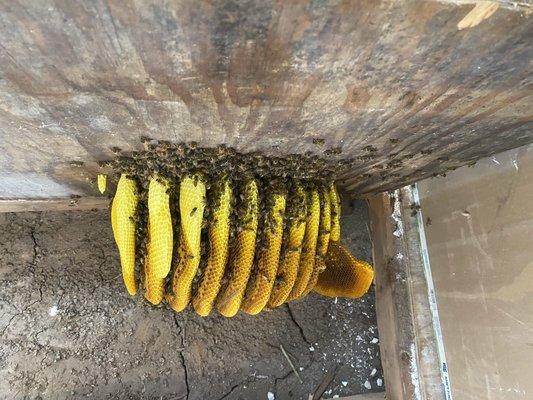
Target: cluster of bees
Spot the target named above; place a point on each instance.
(220, 229)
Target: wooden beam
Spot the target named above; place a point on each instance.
(61, 204)
(412, 355)
(394, 84)
(365, 396)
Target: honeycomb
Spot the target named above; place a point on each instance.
(223, 230)
(344, 275)
(307, 259)
(260, 283)
(242, 254)
(123, 210)
(322, 242)
(219, 230)
(191, 209)
(290, 259)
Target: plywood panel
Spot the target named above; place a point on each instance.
(396, 85)
(479, 224)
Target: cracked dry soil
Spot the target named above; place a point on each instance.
(68, 329)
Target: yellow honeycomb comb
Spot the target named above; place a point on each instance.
(123, 211)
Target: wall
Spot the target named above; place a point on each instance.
(479, 227)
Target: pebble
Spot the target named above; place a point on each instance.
(270, 396)
(368, 385)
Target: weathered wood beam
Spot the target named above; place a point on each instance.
(402, 87)
(60, 204)
(412, 353)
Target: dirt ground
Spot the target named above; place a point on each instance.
(68, 329)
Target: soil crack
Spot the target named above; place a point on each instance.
(302, 333)
(35, 249)
(182, 357)
(235, 387)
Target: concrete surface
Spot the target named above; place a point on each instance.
(479, 228)
(68, 330)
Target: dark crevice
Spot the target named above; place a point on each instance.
(182, 357)
(35, 259)
(19, 314)
(35, 249)
(233, 388)
(10, 321)
(302, 333)
(281, 378)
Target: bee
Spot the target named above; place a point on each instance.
(370, 148)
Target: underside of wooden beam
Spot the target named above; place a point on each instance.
(407, 89)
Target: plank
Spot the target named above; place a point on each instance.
(59, 204)
(400, 86)
(412, 354)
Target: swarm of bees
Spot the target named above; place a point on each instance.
(216, 228)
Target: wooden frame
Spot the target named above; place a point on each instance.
(59, 204)
(412, 352)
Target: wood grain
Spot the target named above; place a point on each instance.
(395, 84)
(58, 204)
(408, 342)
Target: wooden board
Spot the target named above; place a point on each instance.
(412, 353)
(56, 204)
(408, 88)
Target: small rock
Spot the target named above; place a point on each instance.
(344, 383)
(270, 396)
(368, 385)
(53, 311)
(379, 381)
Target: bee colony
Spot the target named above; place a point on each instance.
(223, 230)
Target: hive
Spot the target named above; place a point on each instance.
(223, 230)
